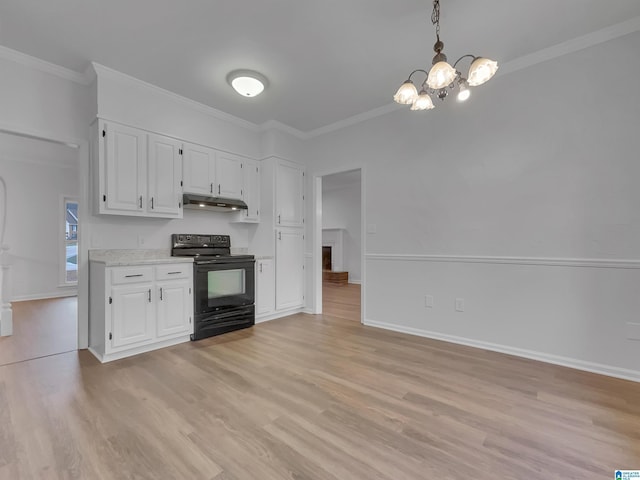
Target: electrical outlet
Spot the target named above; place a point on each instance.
(633, 331)
(459, 304)
(428, 301)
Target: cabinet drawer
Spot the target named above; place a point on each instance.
(174, 271)
(124, 275)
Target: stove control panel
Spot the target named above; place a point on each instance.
(200, 241)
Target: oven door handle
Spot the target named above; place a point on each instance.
(226, 315)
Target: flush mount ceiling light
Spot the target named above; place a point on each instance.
(443, 77)
(247, 82)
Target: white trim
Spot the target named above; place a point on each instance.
(109, 357)
(611, 371)
(42, 65)
(275, 315)
(553, 262)
(570, 46)
(283, 127)
(355, 119)
(38, 135)
(107, 72)
(72, 292)
(355, 282)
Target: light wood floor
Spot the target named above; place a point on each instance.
(342, 301)
(313, 397)
(41, 328)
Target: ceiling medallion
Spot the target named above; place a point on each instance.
(247, 82)
(443, 77)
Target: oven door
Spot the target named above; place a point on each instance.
(224, 283)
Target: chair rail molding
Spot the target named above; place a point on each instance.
(497, 260)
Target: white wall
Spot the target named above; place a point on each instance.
(341, 209)
(38, 174)
(539, 163)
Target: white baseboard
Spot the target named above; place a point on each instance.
(617, 372)
(283, 313)
(43, 296)
(357, 282)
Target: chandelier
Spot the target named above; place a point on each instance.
(443, 77)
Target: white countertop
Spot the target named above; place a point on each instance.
(112, 258)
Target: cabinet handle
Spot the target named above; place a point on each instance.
(279, 235)
(173, 273)
(260, 268)
(140, 201)
(218, 189)
(212, 188)
(151, 203)
(131, 276)
(278, 219)
(160, 293)
(149, 295)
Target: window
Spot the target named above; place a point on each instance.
(70, 241)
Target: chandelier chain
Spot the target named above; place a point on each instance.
(435, 17)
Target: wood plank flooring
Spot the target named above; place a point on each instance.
(41, 328)
(342, 301)
(313, 397)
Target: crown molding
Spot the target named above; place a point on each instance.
(42, 65)
(361, 117)
(283, 127)
(571, 46)
(106, 72)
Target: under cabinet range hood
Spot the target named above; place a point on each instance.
(218, 204)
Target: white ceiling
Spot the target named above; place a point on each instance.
(326, 61)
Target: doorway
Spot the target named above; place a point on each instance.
(42, 189)
(339, 245)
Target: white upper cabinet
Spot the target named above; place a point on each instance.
(229, 175)
(123, 152)
(199, 170)
(289, 194)
(213, 173)
(165, 176)
(137, 173)
(251, 190)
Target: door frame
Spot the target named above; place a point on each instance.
(82, 150)
(317, 236)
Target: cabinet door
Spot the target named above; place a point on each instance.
(289, 194)
(289, 268)
(251, 190)
(228, 175)
(165, 176)
(199, 169)
(125, 163)
(174, 312)
(265, 287)
(131, 314)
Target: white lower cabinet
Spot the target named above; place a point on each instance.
(265, 287)
(135, 309)
(131, 314)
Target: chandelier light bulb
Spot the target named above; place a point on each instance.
(406, 94)
(464, 93)
(481, 70)
(441, 75)
(422, 102)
